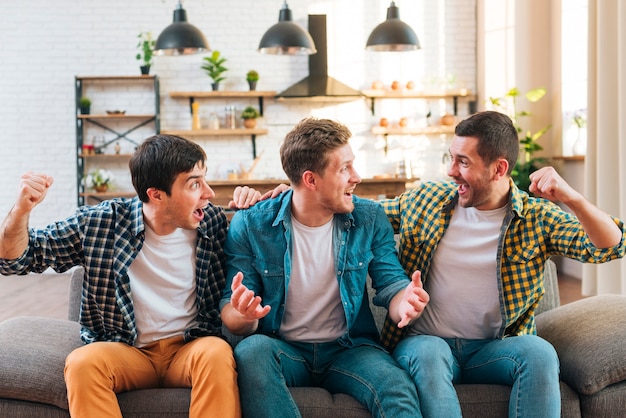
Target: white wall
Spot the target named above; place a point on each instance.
(46, 43)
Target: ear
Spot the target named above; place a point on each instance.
(309, 179)
(155, 195)
(501, 168)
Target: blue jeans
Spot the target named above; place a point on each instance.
(527, 363)
(268, 366)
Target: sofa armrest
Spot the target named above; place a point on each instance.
(76, 290)
(588, 336)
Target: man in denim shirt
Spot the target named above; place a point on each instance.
(296, 271)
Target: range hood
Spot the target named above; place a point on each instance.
(318, 85)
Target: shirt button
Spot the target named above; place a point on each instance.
(338, 273)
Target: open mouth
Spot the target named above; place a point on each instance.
(463, 188)
(198, 214)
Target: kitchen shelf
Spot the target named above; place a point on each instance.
(107, 195)
(455, 94)
(192, 95)
(431, 130)
(216, 132)
(111, 123)
(251, 94)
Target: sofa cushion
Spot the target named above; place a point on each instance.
(32, 358)
(589, 337)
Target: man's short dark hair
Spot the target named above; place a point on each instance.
(496, 134)
(160, 159)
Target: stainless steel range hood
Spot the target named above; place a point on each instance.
(318, 85)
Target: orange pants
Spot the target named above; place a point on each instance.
(95, 372)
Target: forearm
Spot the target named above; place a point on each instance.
(13, 235)
(236, 323)
(599, 226)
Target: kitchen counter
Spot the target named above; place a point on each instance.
(369, 188)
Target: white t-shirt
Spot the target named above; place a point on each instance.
(462, 282)
(313, 308)
(163, 285)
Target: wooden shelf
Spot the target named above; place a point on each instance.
(453, 94)
(108, 195)
(569, 157)
(115, 77)
(415, 94)
(431, 130)
(106, 156)
(215, 132)
(220, 94)
(193, 95)
(107, 116)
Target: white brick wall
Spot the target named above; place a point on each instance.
(45, 44)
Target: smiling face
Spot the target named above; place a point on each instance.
(483, 186)
(183, 207)
(335, 186)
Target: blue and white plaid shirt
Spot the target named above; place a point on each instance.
(105, 239)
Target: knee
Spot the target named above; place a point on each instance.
(82, 363)
(214, 351)
(422, 349)
(539, 353)
(252, 347)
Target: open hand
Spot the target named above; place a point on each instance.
(414, 300)
(245, 302)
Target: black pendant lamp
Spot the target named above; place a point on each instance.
(287, 37)
(393, 34)
(181, 37)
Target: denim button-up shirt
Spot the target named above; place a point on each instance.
(259, 244)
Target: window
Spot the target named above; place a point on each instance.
(574, 29)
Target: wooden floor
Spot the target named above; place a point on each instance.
(46, 295)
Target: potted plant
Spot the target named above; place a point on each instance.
(526, 164)
(146, 49)
(214, 68)
(84, 104)
(100, 180)
(249, 116)
(252, 77)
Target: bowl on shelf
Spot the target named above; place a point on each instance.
(116, 112)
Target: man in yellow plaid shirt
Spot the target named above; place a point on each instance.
(481, 245)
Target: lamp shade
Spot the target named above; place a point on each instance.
(393, 34)
(286, 37)
(181, 37)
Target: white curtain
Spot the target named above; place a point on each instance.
(605, 163)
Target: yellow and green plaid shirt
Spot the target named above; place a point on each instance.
(533, 230)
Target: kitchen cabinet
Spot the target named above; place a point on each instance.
(192, 96)
(114, 125)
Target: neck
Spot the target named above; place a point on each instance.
(307, 210)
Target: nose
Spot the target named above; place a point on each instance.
(209, 193)
(355, 178)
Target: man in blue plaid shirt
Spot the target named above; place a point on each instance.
(154, 275)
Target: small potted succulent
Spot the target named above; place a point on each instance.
(213, 65)
(146, 49)
(100, 180)
(252, 77)
(84, 104)
(249, 116)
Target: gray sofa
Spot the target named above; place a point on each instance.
(589, 335)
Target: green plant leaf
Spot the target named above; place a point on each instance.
(535, 95)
